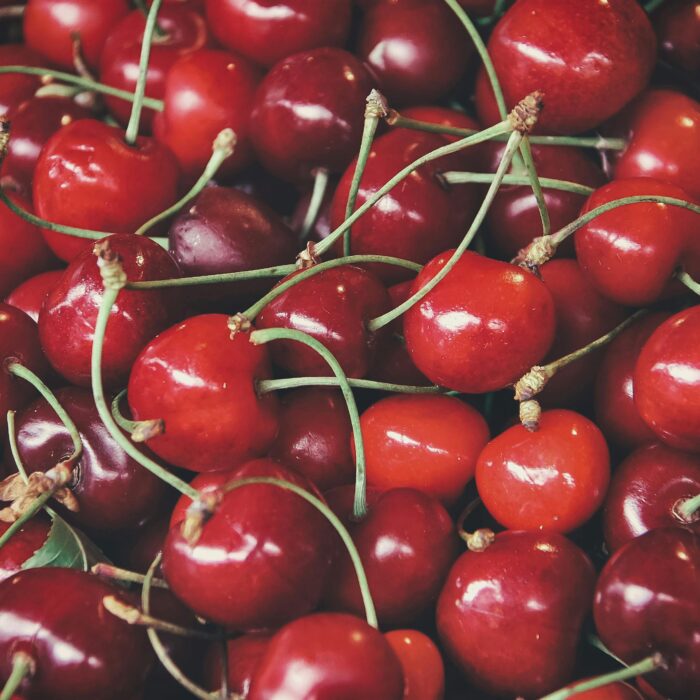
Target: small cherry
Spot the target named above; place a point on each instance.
(23, 544)
(243, 658)
(15, 88)
(422, 664)
(677, 25)
(31, 294)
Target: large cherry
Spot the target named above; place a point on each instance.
(31, 294)
(202, 384)
(511, 616)
(641, 608)
(15, 88)
(23, 544)
(589, 60)
(261, 559)
(243, 656)
(677, 25)
(553, 478)
(482, 327)
(422, 664)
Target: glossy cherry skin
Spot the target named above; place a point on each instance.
(615, 411)
(185, 32)
(666, 384)
(415, 48)
(308, 113)
(68, 317)
(482, 327)
(23, 544)
(524, 598)
(314, 436)
(630, 254)
(205, 92)
(15, 88)
(49, 27)
(82, 652)
(262, 558)
(243, 658)
(205, 482)
(423, 668)
(88, 176)
(202, 384)
(266, 31)
(613, 691)
(328, 656)
(553, 478)
(677, 25)
(31, 294)
(350, 298)
(590, 60)
(645, 492)
(641, 609)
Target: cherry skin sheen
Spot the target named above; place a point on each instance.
(423, 668)
(31, 294)
(23, 544)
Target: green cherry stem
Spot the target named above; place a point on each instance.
(321, 180)
(688, 509)
(689, 282)
(452, 177)
(267, 385)
(160, 33)
(651, 5)
(36, 505)
(139, 430)
(536, 185)
(270, 334)
(23, 666)
(114, 573)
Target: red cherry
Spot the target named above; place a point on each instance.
(482, 327)
(612, 691)
(667, 380)
(202, 384)
(243, 658)
(206, 482)
(328, 656)
(15, 88)
(23, 544)
(31, 294)
(511, 616)
(552, 479)
(68, 317)
(267, 32)
(677, 25)
(642, 608)
(423, 668)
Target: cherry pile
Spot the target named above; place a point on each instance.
(349, 349)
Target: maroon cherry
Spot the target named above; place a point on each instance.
(677, 25)
(243, 658)
(15, 88)
(511, 616)
(23, 544)
(31, 294)
(67, 320)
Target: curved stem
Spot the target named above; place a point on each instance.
(688, 509)
(265, 336)
(124, 423)
(267, 385)
(458, 178)
(321, 180)
(23, 666)
(114, 573)
(689, 282)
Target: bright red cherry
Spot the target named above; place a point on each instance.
(553, 478)
(677, 25)
(423, 668)
(267, 31)
(68, 317)
(31, 294)
(328, 656)
(23, 544)
(482, 327)
(243, 658)
(511, 616)
(15, 88)
(646, 602)
(667, 380)
(202, 384)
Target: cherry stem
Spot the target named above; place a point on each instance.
(23, 666)
(114, 280)
(375, 110)
(370, 612)
(498, 9)
(132, 129)
(596, 642)
(479, 540)
(159, 31)
(222, 148)
(86, 83)
(321, 180)
(36, 505)
(650, 6)
(452, 177)
(139, 430)
(389, 316)
(688, 509)
(689, 282)
(267, 385)
(12, 11)
(260, 337)
(503, 127)
(79, 64)
(647, 665)
(114, 573)
(536, 185)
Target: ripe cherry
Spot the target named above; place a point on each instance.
(677, 25)
(23, 544)
(31, 294)
(243, 658)
(205, 482)
(613, 691)
(423, 668)
(15, 88)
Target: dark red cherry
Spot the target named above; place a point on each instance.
(243, 658)
(334, 307)
(667, 380)
(68, 317)
(262, 558)
(328, 656)
(202, 384)
(23, 544)
(524, 598)
(31, 294)
(646, 602)
(267, 31)
(677, 25)
(645, 493)
(81, 651)
(416, 49)
(308, 113)
(88, 176)
(423, 668)
(49, 27)
(15, 88)
(205, 92)
(184, 31)
(482, 327)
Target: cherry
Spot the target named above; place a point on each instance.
(482, 327)
(327, 656)
(666, 385)
(511, 616)
(266, 31)
(641, 608)
(202, 384)
(49, 27)
(183, 31)
(423, 668)
(205, 92)
(15, 88)
(88, 176)
(677, 25)
(81, 651)
(205, 482)
(589, 62)
(308, 113)
(351, 297)
(23, 544)
(645, 492)
(68, 317)
(262, 558)
(613, 691)
(416, 49)
(243, 658)
(30, 295)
